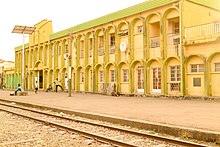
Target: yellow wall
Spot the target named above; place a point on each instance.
(205, 49)
(195, 14)
(41, 33)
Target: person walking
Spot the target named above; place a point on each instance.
(36, 87)
(66, 83)
(56, 82)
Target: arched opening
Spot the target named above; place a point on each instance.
(111, 41)
(154, 29)
(137, 69)
(214, 70)
(110, 73)
(172, 70)
(89, 79)
(38, 71)
(154, 70)
(99, 78)
(172, 31)
(137, 48)
(123, 77)
(195, 75)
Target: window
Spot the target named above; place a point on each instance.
(82, 77)
(175, 74)
(156, 78)
(112, 44)
(112, 39)
(125, 75)
(101, 74)
(176, 27)
(112, 75)
(217, 67)
(197, 82)
(139, 29)
(140, 72)
(195, 68)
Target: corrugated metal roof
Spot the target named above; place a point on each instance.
(20, 47)
(128, 12)
(114, 16)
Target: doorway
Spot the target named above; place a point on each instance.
(156, 80)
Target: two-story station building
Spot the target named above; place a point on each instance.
(158, 47)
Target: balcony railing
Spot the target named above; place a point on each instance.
(173, 39)
(112, 49)
(173, 45)
(154, 42)
(101, 51)
(205, 31)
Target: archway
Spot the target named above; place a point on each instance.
(89, 79)
(172, 70)
(38, 70)
(154, 72)
(195, 77)
(137, 81)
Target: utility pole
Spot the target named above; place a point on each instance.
(70, 65)
(23, 30)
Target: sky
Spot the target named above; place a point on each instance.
(63, 14)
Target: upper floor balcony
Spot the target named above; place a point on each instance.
(173, 45)
(154, 47)
(202, 33)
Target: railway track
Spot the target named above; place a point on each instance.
(116, 136)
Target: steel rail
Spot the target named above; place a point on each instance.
(84, 133)
(156, 137)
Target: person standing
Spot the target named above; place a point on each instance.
(36, 87)
(66, 83)
(56, 82)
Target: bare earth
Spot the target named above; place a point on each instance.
(197, 114)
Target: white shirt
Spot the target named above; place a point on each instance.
(66, 83)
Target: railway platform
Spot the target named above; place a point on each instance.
(201, 116)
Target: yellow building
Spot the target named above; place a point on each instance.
(158, 47)
(7, 69)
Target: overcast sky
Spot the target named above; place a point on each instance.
(64, 14)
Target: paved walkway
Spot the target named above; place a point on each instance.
(197, 114)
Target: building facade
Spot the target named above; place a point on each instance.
(158, 47)
(6, 77)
